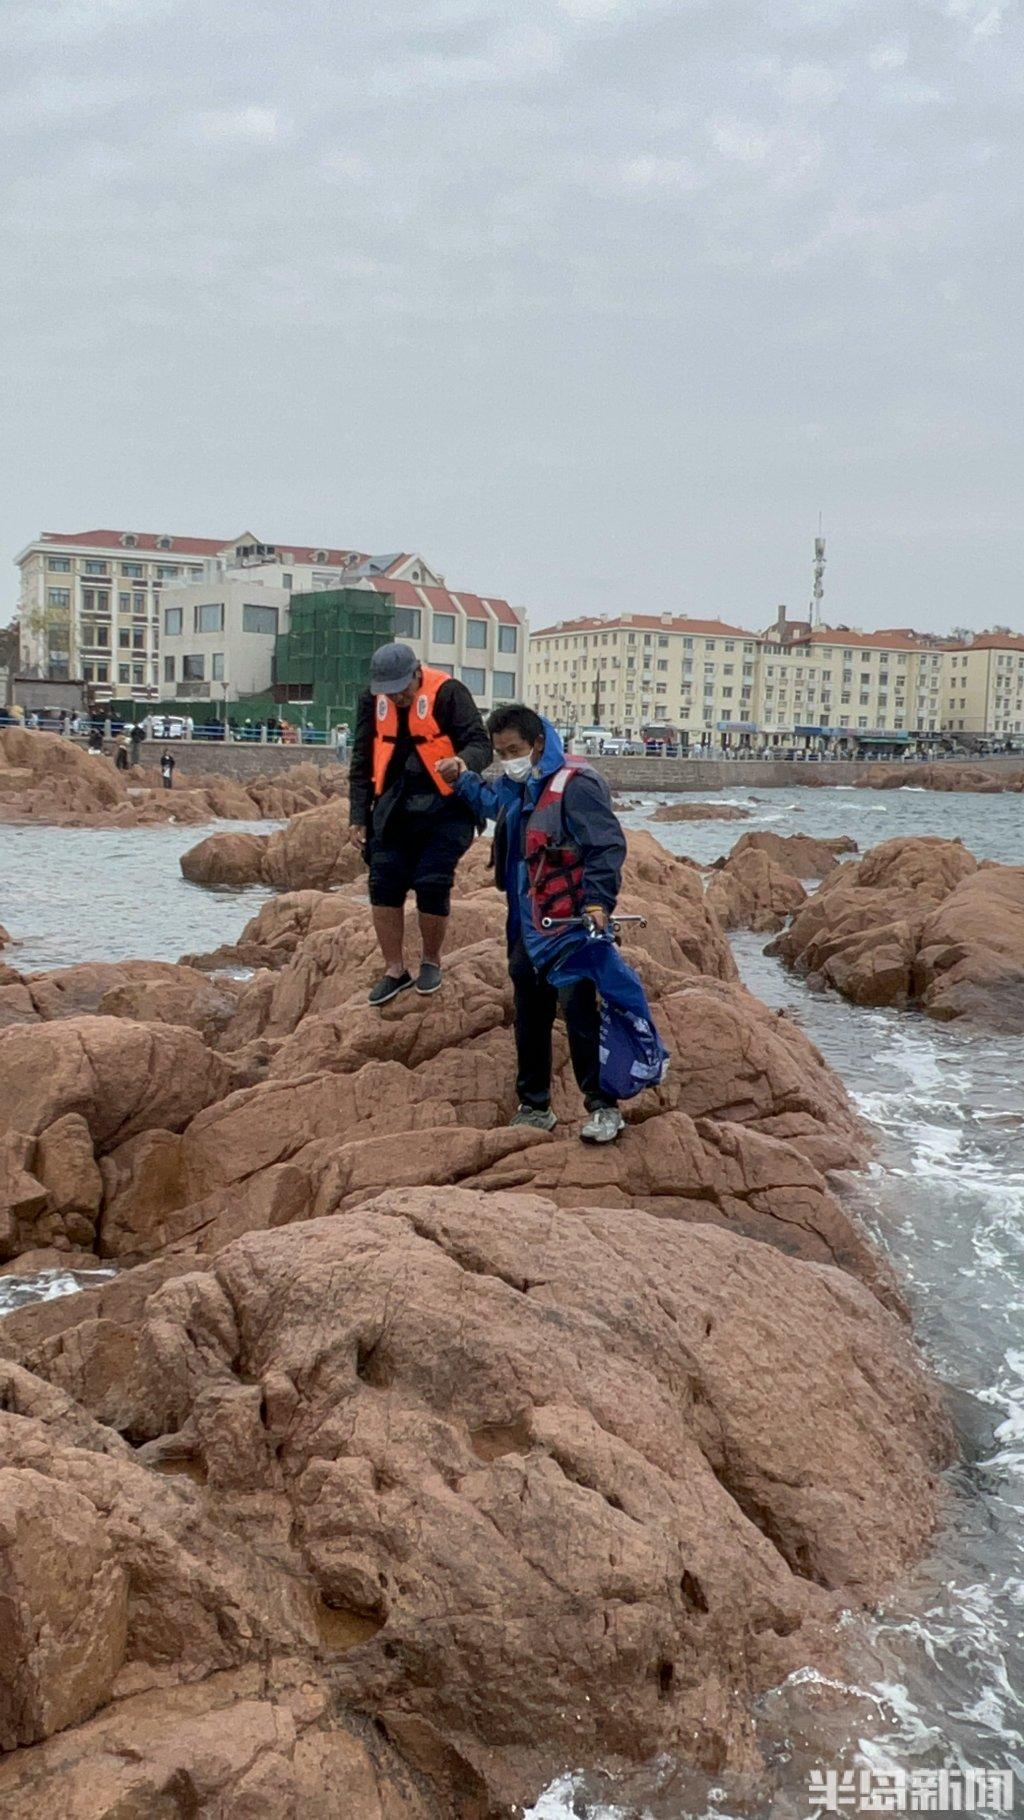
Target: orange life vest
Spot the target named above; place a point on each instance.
(431, 744)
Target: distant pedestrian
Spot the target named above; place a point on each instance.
(136, 736)
(121, 758)
(167, 769)
(96, 741)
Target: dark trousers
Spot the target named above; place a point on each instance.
(536, 1003)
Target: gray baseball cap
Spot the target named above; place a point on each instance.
(392, 669)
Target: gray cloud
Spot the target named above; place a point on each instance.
(595, 301)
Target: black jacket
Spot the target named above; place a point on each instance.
(406, 778)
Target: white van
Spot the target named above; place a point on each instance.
(167, 726)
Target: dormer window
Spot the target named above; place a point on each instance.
(319, 555)
(164, 543)
(130, 541)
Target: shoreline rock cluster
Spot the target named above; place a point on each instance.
(44, 778)
(917, 922)
(408, 1458)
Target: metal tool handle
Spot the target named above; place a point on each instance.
(580, 922)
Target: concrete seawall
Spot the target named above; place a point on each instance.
(241, 762)
(637, 773)
(768, 774)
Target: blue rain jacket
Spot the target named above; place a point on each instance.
(632, 1054)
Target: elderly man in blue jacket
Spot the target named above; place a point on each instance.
(559, 851)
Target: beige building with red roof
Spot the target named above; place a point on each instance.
(983, 686)
(150, 616)
(791, 686)
(631, 671)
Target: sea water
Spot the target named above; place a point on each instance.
(935, 1675)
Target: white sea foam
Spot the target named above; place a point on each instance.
(47, 1286)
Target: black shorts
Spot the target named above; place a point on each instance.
(418, 853)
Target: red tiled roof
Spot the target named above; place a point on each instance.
(890, 641)
(406, 593)
(446, 600)
(991, 641)
(644, 622)
(148, 541)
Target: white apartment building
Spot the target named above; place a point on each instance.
(850, 687)
(723, 685)
(983, 686)
(218, 633)
(642, 670)
(89, 601)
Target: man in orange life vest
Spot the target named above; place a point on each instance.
(412, 825)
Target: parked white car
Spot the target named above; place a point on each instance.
(167, 726)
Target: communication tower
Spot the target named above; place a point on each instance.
(818, 591)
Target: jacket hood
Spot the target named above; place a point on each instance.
(553, 756)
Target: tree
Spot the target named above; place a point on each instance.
(10, 645)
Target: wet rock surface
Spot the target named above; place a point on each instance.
(918, 922)
(801, 855)
(44, 778)
(750, 891)
(522, 1483)
(416, 1457)
(700, 812)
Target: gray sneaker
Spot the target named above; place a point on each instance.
(603, 1125)
(539, 1118)
(388, 988)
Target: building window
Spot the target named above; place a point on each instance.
(210, 619)
(124, 637)
(192, 669)
(124, 602)
(286, 580)
(168, 669)
(443, 629)
(259, 619)
(95, 568)
(102, 672)
(60, 564)
(165, 570)
(217, 669)
(476, 634)
(133, 569)
(503, 685)
(172, 621)
(139, 601)
(58, 597)
(446, 669)
(138, 675)
(508, 638)
(474, 679)
(138, 638)
(129, 540)
(407, 622)
(123, 672)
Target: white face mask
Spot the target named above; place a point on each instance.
(518, 769)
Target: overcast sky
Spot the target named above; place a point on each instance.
(597, 303)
